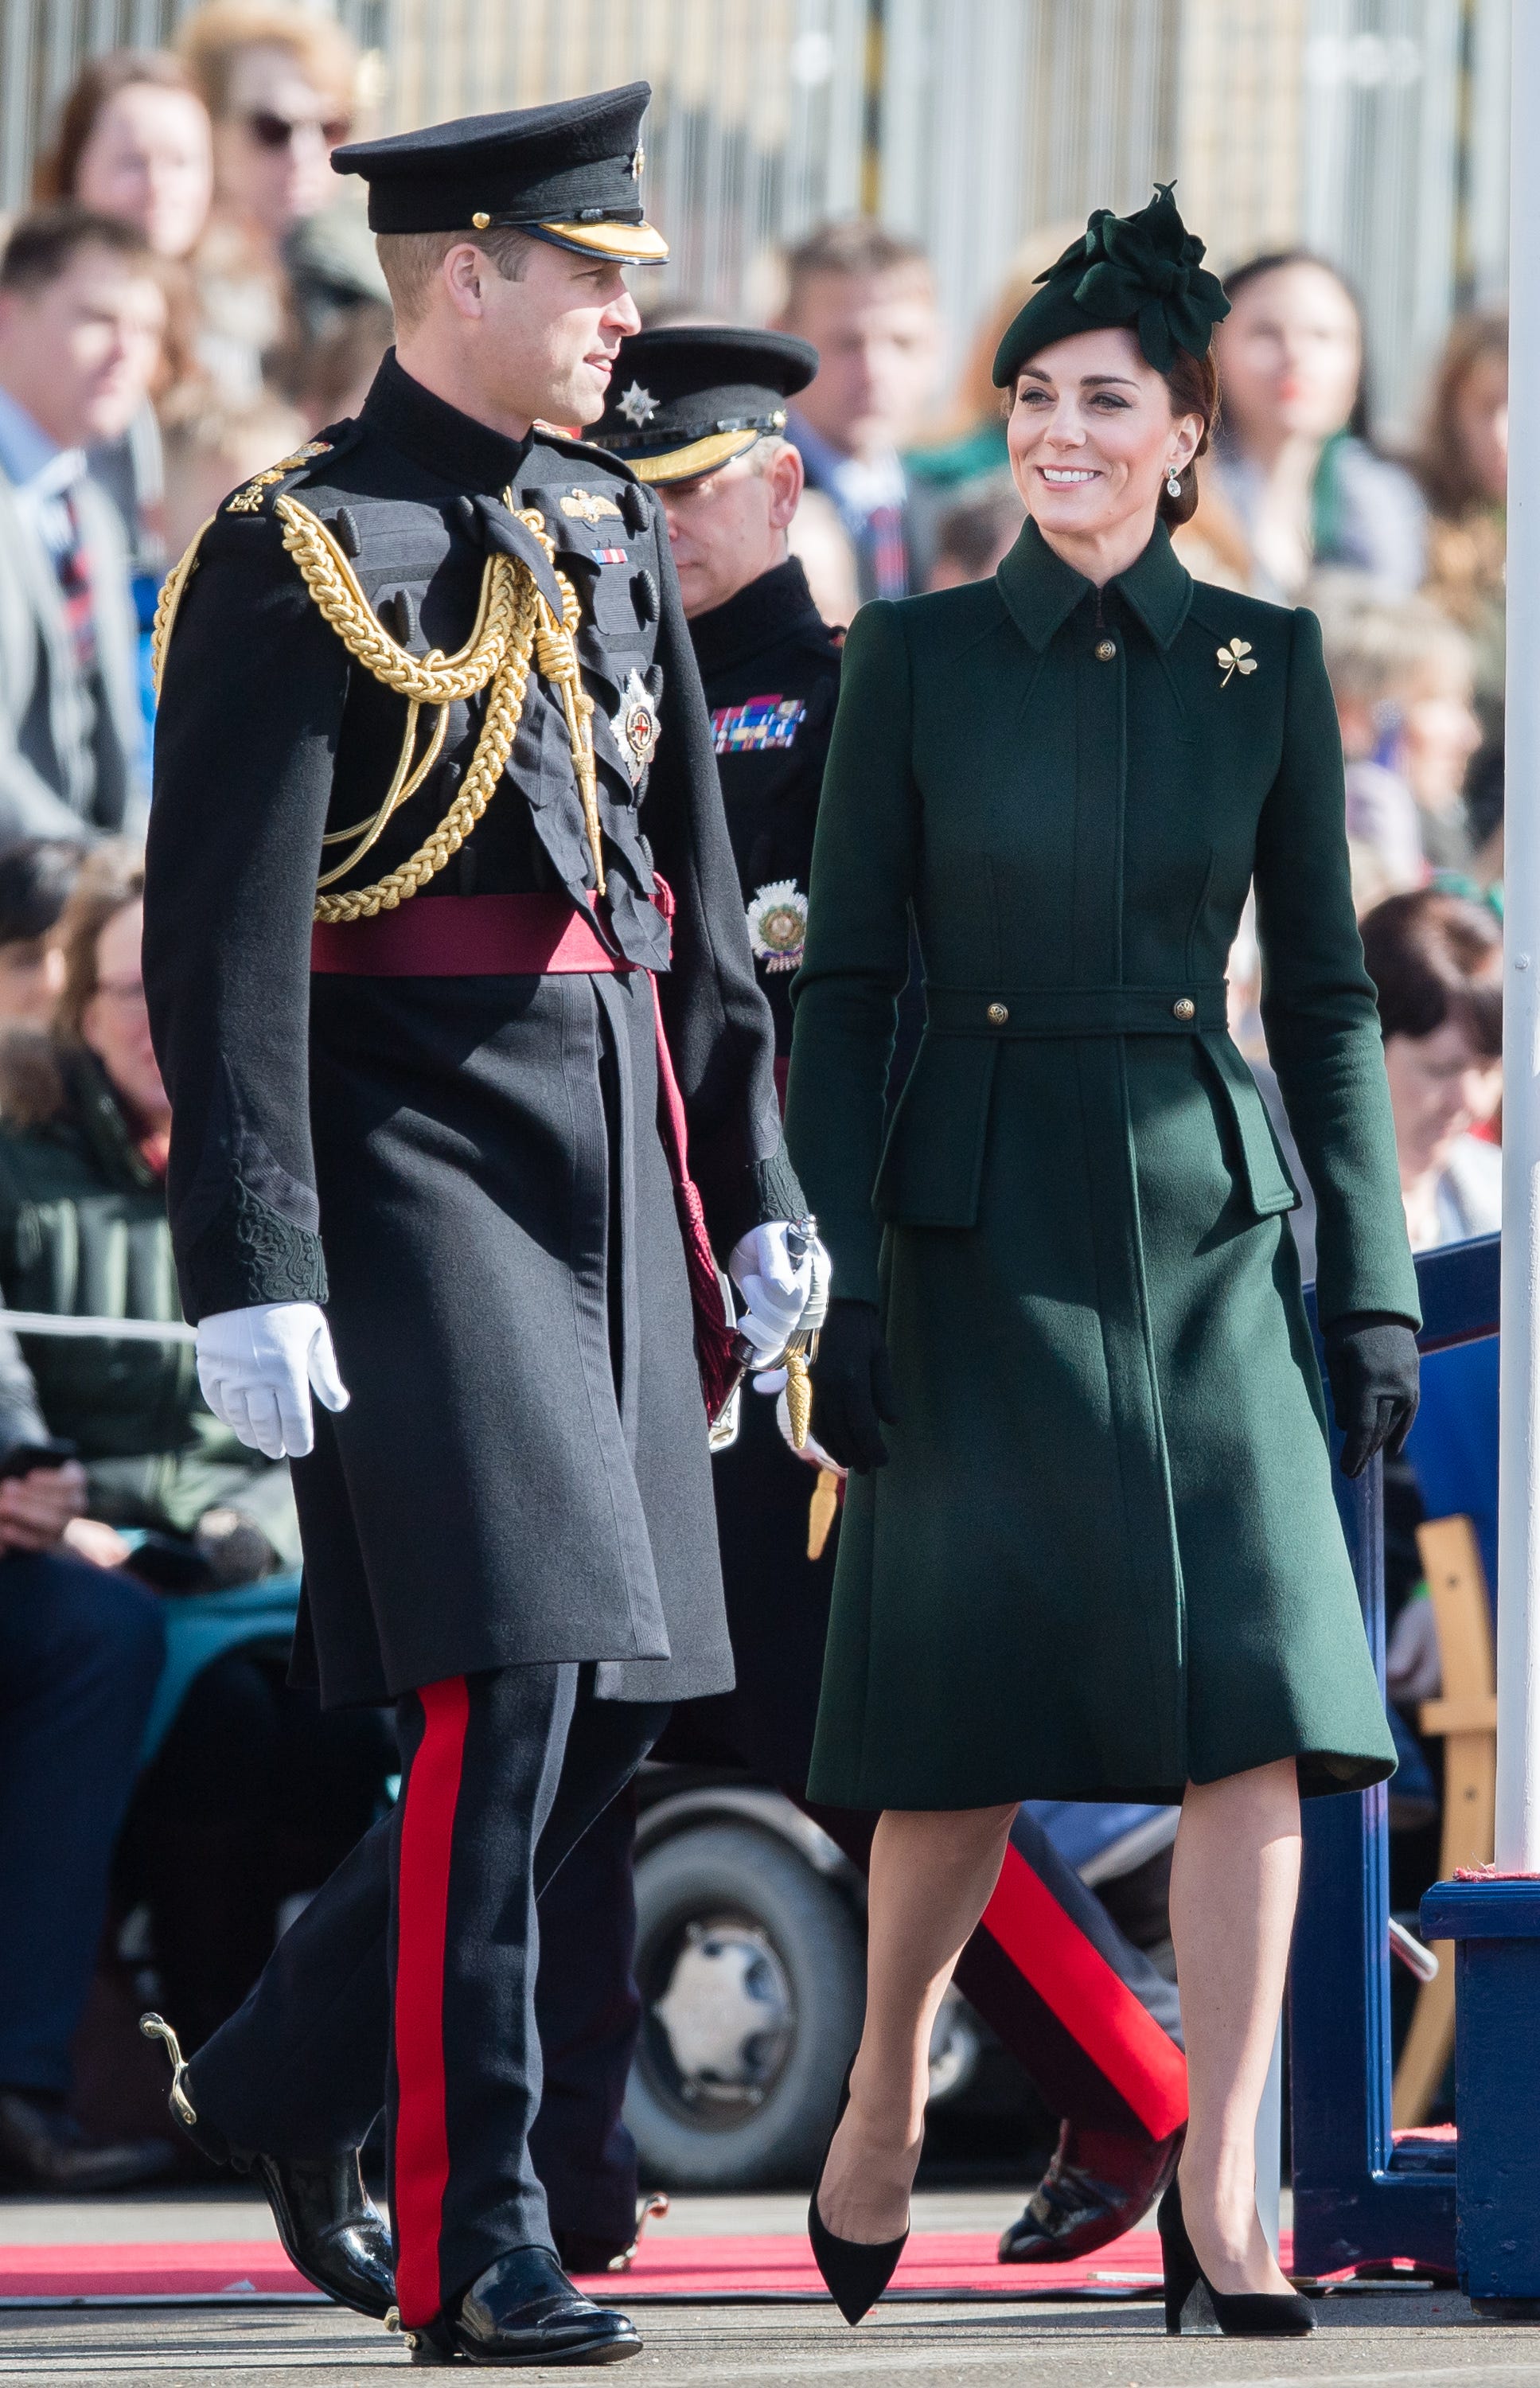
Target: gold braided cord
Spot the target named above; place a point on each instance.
(514, 621)
(168, 601)
(505, 701)
(405, 783)
(432, 679)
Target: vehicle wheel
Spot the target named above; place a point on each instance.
(751, 1971)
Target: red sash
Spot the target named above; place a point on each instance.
(533, 936)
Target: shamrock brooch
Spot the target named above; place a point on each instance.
(1236, 657)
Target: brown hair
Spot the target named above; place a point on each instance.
(1436, 958)
(410, 260)
(100, 81)
(857, 245)
(1193, 384)
(1440, 466)
(43, 246)
(110, 878)
(214, 36)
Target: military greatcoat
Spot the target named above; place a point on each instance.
(466, 1169)
(1105, 1558)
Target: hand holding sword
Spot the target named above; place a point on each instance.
(782, 1272)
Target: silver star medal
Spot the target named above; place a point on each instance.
(635, 726)
(639, 406)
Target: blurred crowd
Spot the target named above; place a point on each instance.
(191, 297)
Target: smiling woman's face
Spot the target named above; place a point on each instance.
(1092, 437)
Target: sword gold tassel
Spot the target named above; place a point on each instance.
(798, 1391)
(822, 1510)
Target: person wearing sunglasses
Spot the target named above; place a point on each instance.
(278, 83)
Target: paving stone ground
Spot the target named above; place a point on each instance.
(1380, 2339)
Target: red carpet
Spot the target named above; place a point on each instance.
(668, 2265)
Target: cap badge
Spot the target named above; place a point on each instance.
(588, 505)
(638, 405)
(638, 162)
(635, 726)
(777, 924)
(481, 219)
(1236, 657)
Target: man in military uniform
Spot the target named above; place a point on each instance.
(431, 758)
(698, 412)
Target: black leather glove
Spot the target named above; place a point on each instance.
(1371, 1363)
(853, 1387)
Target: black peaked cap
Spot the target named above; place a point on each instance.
(688, 397)
(568, 173)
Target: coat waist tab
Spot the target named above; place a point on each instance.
(1007, 1012)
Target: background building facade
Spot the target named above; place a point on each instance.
(1375, 131)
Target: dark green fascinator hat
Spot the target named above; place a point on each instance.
(1144, 271)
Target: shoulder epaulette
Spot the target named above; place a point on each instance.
(256, 495)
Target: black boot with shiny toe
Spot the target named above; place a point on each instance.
(855, 2271)
(1097, 2186)
(1192, 2304)
(523, 2310)
(329, 2227)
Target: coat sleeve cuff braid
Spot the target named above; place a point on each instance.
(249, 1253)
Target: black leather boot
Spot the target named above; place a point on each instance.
(1098, 2185)
(329, 2228)
(43, 2148)
(523, 2310)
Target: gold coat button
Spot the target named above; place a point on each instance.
(997, 1015)
(1104, 650)
(1184, 1007)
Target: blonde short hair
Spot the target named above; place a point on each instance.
(409, 261)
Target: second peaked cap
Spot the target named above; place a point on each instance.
(687, 398)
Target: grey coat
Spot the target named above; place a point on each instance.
(71, 755)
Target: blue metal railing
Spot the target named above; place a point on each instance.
(1357, 2199)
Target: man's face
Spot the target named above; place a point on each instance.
(546, 343)
(80, 353)
(727, 527)
(878, 346)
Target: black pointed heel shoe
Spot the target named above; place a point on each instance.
(855, 2271)
(1192, 2304)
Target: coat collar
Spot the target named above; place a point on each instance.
(437, 435)
(765, 612)
(1041, 591)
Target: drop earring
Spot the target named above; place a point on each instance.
(1173, 485)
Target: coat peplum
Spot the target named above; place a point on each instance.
(1105, 1558)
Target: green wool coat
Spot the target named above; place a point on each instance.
(1104, 1557)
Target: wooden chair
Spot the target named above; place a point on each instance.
(1466, 1718)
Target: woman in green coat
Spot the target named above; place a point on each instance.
(1096, 1552)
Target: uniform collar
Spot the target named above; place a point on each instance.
(760, 616)
(1041, 591)
(437, 435)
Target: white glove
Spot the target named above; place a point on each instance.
(782, 1294)
(257, 1368)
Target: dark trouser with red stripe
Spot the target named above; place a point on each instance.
(588, 2011)
(411, 1973)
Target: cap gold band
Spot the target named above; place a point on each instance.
(701, 456)
(626, 244)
